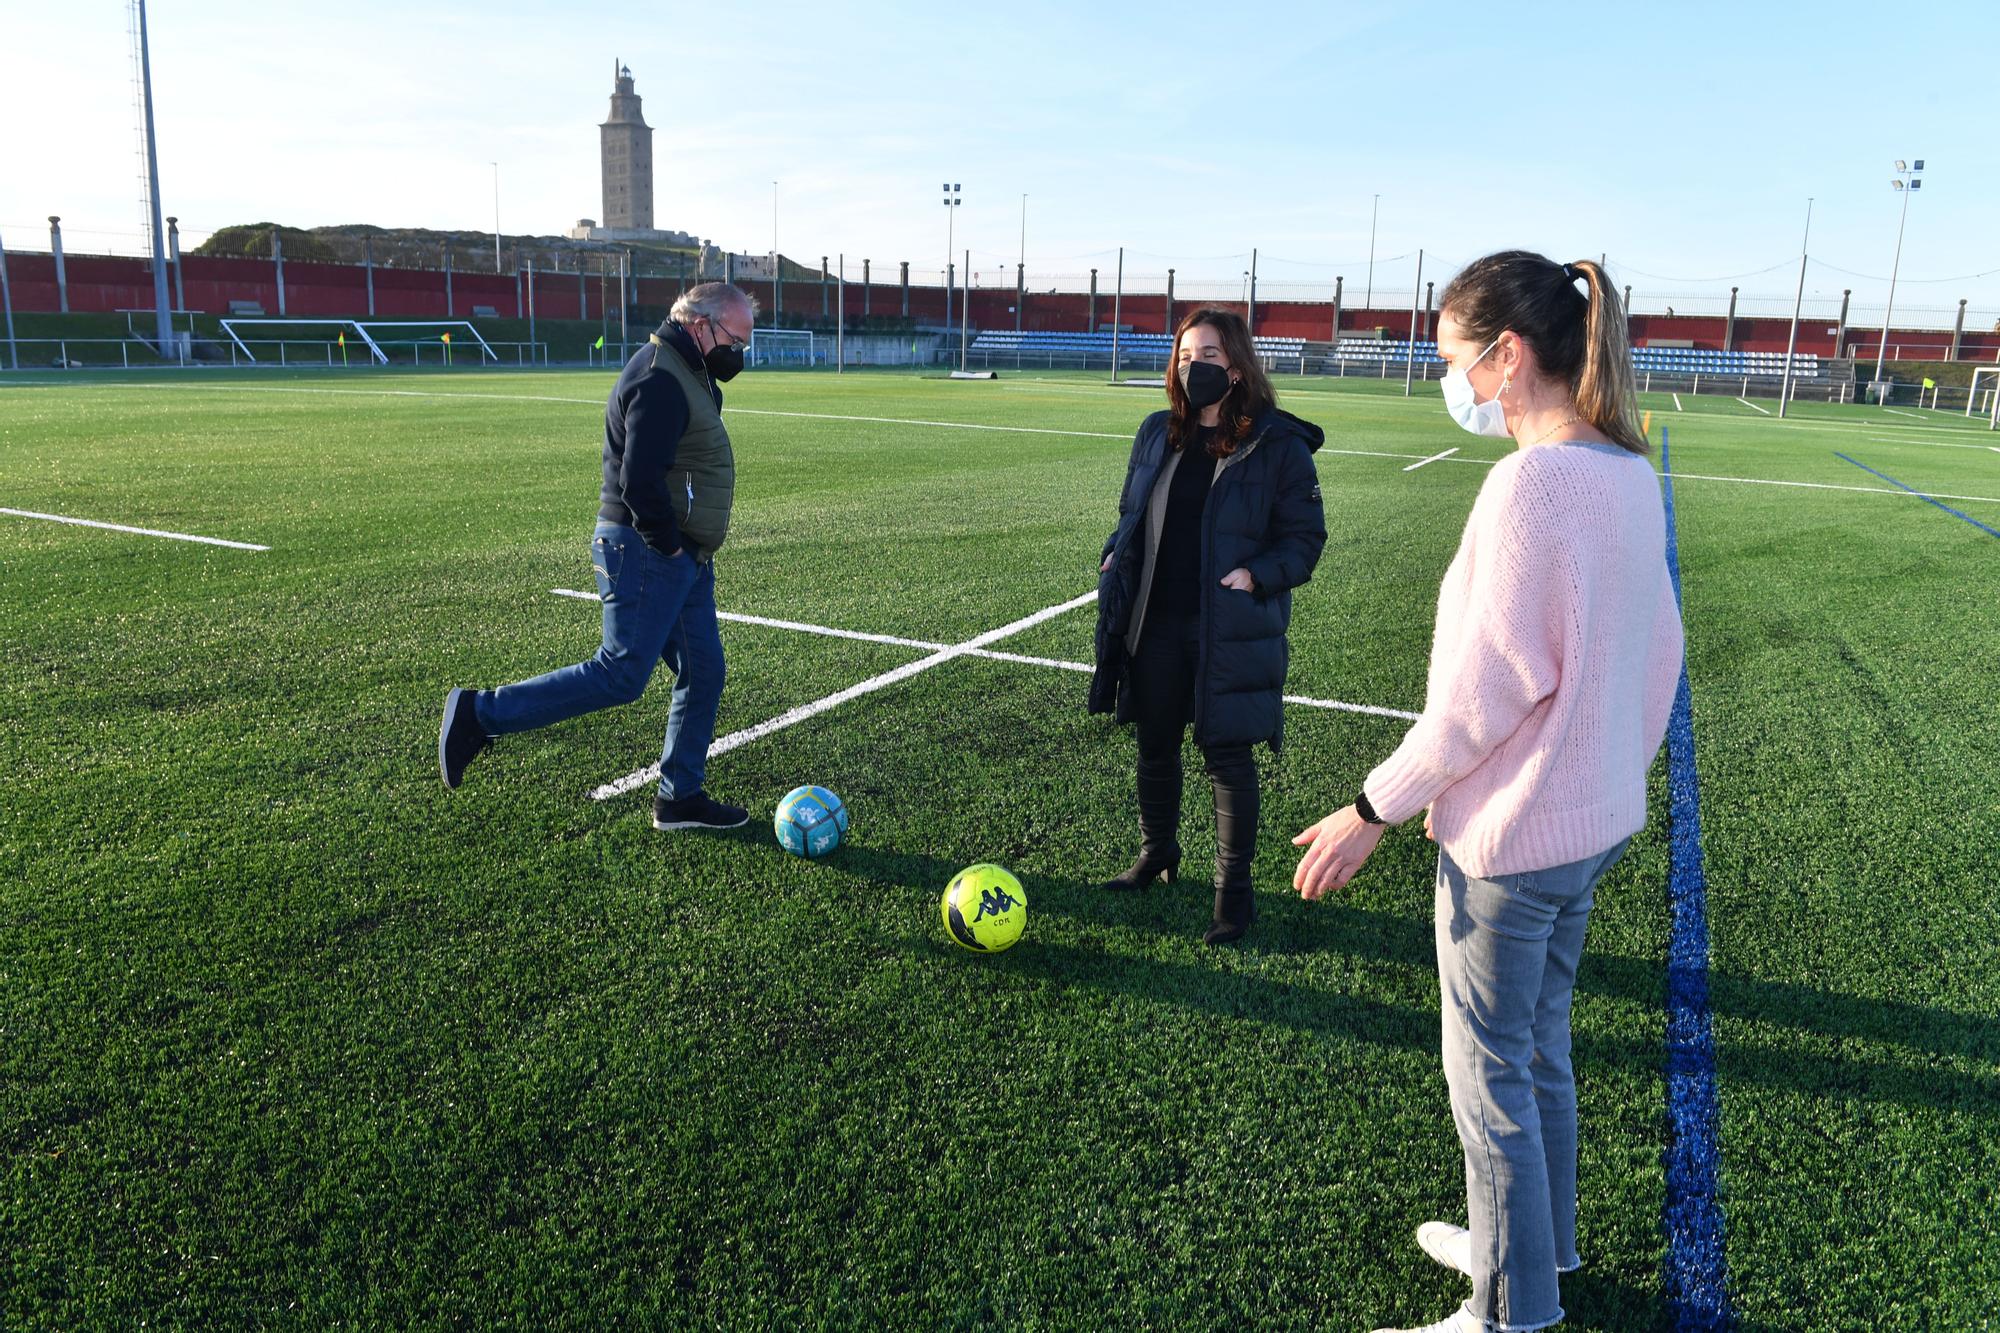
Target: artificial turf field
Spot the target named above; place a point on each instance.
(292, 1036)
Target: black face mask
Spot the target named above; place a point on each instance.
(1204, 383)
(723, 363)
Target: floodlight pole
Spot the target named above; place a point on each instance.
(1798, 302)
(777, 279)
(965, 309)
(165, 320)
(840, 323)
(1021, 270)
(1250, 305)
(1906, 182)
(951, 201)
(1117, 307)
(496, 218)
(1368, 301)
(1410, 344)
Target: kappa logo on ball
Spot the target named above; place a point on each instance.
(995, 902)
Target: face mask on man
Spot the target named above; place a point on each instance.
(1487, 418)
(1204, 383)
(724, 361)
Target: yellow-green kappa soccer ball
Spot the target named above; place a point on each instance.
(985, 908)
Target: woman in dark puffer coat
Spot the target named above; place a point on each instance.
(1219, 520)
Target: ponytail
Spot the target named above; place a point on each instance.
(1607, 396)
(1579, 340)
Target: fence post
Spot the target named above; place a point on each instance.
(1957, 331)
(1729, 325)
(1170, 303)
(824, 308)
(864, 289)
(62, 273)
(278, 263)
(906, 289)
(1091, 327)
(1336, 315)
(174, 250)
(7, 302)
(1840, 332)
(531, 300)
(444, 262)
(368, 262)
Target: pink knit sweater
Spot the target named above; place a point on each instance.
(1554, 665)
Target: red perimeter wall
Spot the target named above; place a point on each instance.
(102, 283)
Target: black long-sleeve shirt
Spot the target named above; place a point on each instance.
(1177, 568)
(643, 423)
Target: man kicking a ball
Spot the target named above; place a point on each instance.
(669, 477)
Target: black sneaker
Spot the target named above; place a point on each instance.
(696, 811)
(460, 737)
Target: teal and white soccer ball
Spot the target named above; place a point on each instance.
(810, 822)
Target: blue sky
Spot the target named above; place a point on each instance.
(1683, 141)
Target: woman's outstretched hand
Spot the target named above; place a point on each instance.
(1337, 847)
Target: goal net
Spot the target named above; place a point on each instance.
(781, 347)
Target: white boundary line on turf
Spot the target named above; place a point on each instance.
(1753, 407)
(1677, 402)
(940, 653)
(1828, 486)
(1928, 444)
(143, 532)
(651, 773)
(1432, 459)
(1901, 413)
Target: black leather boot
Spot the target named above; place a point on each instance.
(1159, 832)
(1235, 782)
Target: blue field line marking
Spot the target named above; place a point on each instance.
(1919, 494)
(1697, 1269)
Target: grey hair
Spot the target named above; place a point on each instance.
(709, 299)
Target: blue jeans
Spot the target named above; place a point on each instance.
(1507, 952)
(656, 609)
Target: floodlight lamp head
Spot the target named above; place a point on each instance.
(1917, 184)
(1895, 185)
(1901, 165)
(1920, 164)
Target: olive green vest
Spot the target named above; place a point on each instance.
(702, 480)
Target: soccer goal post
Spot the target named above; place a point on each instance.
(782, 347)
(1990, 402)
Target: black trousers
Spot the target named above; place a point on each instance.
(1162, 675)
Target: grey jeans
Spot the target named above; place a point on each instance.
(1507, 953)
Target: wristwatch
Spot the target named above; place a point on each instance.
(1366, 810)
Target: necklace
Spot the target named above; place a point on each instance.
(1570, 420)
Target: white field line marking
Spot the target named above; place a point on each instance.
(651, 773)
(916, 421)
(1372, 401)
(990, 654)
(1826, 486)
(1901, 413)
(1994, 447)
(1752, 406)
(1432, 459)
(1928, 444)
(143, 532)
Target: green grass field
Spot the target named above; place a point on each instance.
(291, 1036)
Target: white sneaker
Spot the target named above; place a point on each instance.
(1449, 1245)
(1459, 1322)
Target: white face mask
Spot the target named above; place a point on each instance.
(1487, 418)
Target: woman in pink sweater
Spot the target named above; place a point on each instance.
(1553, 667)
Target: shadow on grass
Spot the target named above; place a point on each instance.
(1287, 926)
